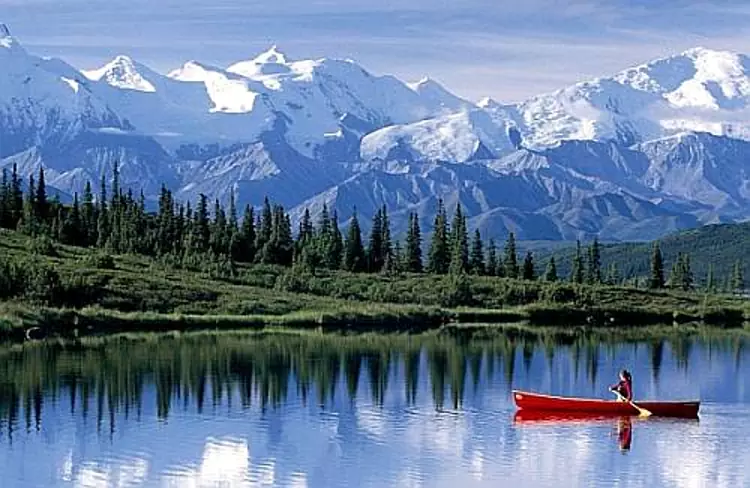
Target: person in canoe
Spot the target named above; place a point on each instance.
(625, 386)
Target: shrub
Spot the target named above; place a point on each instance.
(99, 261)
(44, 246)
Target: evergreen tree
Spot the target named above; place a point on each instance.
(116, 195)
(201, 229)
(335, 245)
(41, 206)
(27, 223)
(594, 265)
(71, 228)
(613, 275)
(656, 281)
(385, 244)
(491, 258)
(738, 278)
(5, 204)
(439, 255)
(16, 196)
(529, 273)
(102, 215)
(375, 246)
(510, 258)
(264, 228)
(459, 243)
(354, 251)
(218, 239)
(476, 259)
(306, 231)
(577, 273)
(710, 279)
(413, 258)
(681, 276)
(550, 274)
(88, 217)
(247, 236)
(398, 258)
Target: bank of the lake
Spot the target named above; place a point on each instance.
(68, 291)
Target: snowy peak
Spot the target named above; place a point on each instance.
(269, 63)
(434, 93)
(122, 72)
(273, 55)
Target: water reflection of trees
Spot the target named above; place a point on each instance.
(207, 371)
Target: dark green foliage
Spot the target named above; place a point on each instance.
(439, 255)
(413, 250)
(476, 258)
(550, 274)
(43, 246)
(594, 264)
(354, 252)
(99, 261)
(681, 276)
(738, 278)
(529, 273)
(491, 268)
(459, 243)
(656, 280)
(577, 275)
(510, 258)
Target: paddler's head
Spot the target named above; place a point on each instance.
(625, 376)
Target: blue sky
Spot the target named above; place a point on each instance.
(506, 49)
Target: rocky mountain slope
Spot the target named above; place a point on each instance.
(655, 148)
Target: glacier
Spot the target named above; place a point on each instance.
(655, 148)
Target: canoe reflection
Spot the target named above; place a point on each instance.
(623, 424)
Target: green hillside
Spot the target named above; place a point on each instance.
(718, 245)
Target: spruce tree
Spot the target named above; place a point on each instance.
(710, 279)
(687, 273)
(613, 275)
(594, 265)
(41, 206)
(385, 244)
(738, 278)
(438, 259)
(264, 228)
(476, 259)
(459, 243)
(28, 219)
(375, 245)
(5, 201)
(335, 245)
(354, 251)
(577, 273)
(16, 196)
(510, 258)
(413, 258)
(247, 236)
(550, 274)
(88, 217)
(656, 280)
(491, 258)
(529, 273)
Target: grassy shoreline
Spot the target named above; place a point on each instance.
(83, 294)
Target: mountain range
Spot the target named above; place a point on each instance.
(653, 149)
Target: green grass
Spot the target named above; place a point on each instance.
(127, 294)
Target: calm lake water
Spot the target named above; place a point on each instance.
(350, 412)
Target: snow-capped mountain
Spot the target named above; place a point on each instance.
(654, 148)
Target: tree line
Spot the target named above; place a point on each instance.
(117, 221)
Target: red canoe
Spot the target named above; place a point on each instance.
(547, 403)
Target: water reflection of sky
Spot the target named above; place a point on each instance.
(354, 442)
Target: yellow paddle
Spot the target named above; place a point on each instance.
(641, 411)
